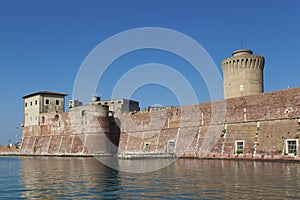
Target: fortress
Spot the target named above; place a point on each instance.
(247, 124)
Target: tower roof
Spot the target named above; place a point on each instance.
(242, 52)
(45, 93)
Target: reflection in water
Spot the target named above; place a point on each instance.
(57, 177)
(84, 178)
(136, 165)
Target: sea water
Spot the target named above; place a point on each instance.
(87, 178)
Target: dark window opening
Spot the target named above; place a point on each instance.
(83, 113)
(171, 146)
(147, 147)
(239, 147)
(292, 146)
(56, 117)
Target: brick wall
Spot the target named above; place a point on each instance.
(263, 122)
(208, 130)
(85, 130)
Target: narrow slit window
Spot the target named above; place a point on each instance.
(147, 147)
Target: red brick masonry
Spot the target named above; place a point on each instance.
(209, 130)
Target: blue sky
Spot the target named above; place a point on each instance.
(43, 44)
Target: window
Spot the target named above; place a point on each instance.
(119, 102)
(31, 119)
(26, 105)
(56, 117)
(57, 102)
(146, 147)
(36, 102)
(112, 102)
(35, 118)
(47, 101)
(291, 146)
(30, 103)
(239, 147)
(170, 146)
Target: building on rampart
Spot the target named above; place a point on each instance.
(74, 103)
(42, 102)
(117, 106)
(243, 74)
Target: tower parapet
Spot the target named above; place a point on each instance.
(243, 74)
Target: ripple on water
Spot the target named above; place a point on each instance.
(86, 178)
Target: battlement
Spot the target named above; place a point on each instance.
(231, 65)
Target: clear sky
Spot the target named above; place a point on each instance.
(43, 43)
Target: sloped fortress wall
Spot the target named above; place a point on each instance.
(262, 126)
(84, 130)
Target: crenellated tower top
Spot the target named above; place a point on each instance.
(243, 74)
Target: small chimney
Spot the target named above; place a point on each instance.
(96, 98)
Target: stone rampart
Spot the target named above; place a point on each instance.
(263, 122)
(85, 130)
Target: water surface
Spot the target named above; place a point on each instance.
(87, 178)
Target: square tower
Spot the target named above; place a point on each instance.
(42, 102)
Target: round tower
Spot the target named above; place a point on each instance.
(243, 74)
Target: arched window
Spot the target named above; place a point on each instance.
(56, 117)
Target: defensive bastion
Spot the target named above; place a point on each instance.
(248, 124)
